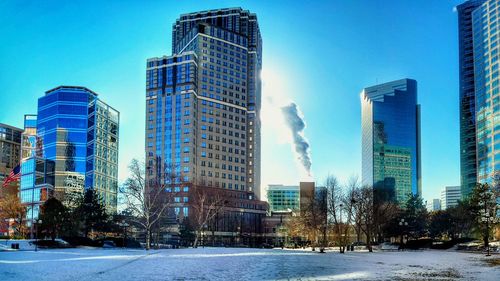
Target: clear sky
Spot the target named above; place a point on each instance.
(320, 54)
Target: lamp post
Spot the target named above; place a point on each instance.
(203, 229)
(341, 205)
(402, 224)
(124, 225)
(38, 223)
(487, 219)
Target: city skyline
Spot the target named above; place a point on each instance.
(281, 74)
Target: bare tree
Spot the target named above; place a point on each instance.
(206, 202)
(363, 198)
(341, 208)
(384, 211)
(147, 203)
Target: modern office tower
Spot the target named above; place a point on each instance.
(79, 132)
(283, 197)
(391, 139)
(203, 106)
(485, 26)
(468, 156)
(434, 205)
(102, 152)
(10, 148)
(204, 101)
(450, 196)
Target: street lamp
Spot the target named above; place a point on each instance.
(402, 223)
(340, 228)
(203, 229)
(124, 225)
(38, 223)
(488, 219)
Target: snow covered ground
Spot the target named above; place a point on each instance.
(242, 264)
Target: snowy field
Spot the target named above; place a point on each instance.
(242, 264)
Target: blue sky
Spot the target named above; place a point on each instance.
(320, 54)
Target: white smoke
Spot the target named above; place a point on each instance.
(295, 122)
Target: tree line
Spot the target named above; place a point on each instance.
(342, 214)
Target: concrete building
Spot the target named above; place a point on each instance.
(433, 205)
(203, 102)
(391, 139)
(468, 153)
(450, 196)
(10, 149)
(203, 108)
(283, 197)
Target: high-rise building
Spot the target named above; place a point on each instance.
(203, 107)
(391, 139)
(10, 149)
(450, 196)
(283, 197)
(79, 132)
(485, 29)
(468, 156)
(203, 102)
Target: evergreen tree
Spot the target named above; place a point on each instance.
(92, 213)
(55, 218)
(441, 224)
(416, 215)
(484, 207)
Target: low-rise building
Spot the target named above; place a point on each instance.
(450, 196)
(434, 205)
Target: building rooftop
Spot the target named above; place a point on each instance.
(377, 92)
(70, 88)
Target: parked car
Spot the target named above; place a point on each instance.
(267, 246)
(108, 244)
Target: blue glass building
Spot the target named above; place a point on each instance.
(37, 184)
(391, 139)
(468, 155)
(79, 133)
(486, 33)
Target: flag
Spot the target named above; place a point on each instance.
(13, 176)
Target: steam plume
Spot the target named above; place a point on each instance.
(296, 124)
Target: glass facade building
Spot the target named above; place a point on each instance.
(37, 184)
(79, 132)
(203, 103)
(391, 139)
(485, 24)
(283, 198)
(468, 156)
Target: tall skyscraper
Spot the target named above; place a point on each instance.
(468, 156)
(203, 105)
(79, 132)
(485, 26)
(391, 139)
(204, 101)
